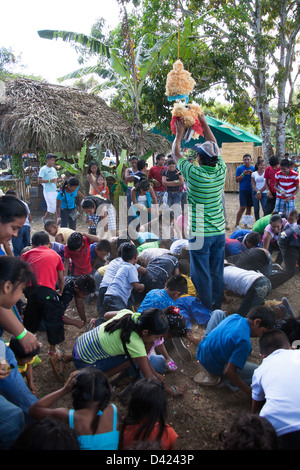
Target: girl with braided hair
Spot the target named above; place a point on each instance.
(126, 335)
(161, 361)
(167, 324)
(93, 418)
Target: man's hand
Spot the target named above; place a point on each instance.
(180, 128)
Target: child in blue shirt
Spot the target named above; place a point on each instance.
(66, 203)
(226, 345)
(243, 178)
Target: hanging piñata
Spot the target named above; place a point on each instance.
(178, 87)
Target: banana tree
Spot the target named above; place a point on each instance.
(119, 75)
(78, 166)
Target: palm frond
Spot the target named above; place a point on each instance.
(94, 45)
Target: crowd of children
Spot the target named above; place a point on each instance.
(145, 300)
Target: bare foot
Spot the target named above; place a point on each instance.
(74, 322)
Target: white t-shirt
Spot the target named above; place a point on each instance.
(111, 271)
(259, 180)
(177, 246)
(150, 253)
(277, 380)
(28, 212)
(239, 280)
(121, 286)
(48, 173)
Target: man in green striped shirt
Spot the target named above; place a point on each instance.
(206, 223)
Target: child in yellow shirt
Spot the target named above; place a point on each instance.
(26, 362)
(184, 270)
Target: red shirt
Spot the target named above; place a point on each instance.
(269, 175)
(287, 183)
(81, 258)
(45, 263)
(156, 173)
(167, 440)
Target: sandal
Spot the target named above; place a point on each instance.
(57, 363)
(204, 378)
(181, 349)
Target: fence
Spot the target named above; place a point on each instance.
(232, 154)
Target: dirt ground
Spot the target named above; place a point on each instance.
(202, 412)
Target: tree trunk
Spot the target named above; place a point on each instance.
(260, 83)
(284, 76)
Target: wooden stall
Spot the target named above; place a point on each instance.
(17, 184)
(232, 153)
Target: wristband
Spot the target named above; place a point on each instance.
(176, 181)
(258, 192)
(242, 174)
(21, 335)
(49, 181)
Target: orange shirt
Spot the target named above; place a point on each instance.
(103, 190)
(167, 440)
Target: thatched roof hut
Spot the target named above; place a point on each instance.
(40, 116)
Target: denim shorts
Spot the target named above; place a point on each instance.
(245, 197)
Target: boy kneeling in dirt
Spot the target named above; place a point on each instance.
(226, 345)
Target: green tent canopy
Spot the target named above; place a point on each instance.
(223, 132)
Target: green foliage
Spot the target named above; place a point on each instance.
(221, 42)
(7, 59)
(97, 154)
(78, 166)
(17, 166)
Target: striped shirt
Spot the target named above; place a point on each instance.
(97, 344)
(287, 183)
(204, 193)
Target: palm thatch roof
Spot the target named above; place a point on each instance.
(40, 116)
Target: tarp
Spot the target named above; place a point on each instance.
(223, 132)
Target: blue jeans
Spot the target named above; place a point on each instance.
(158, 362)
(103, 364)
(255, 295)
(22, 240)
(207, 268)
(66, 220)
(256, 203)
(11, 423)
(14, 387)
(112, 303)
(174, 199)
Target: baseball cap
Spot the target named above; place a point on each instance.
(207, 149)
(51, 155)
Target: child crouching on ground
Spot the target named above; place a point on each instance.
(25, 361)
(118, 293)
(78, 251)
